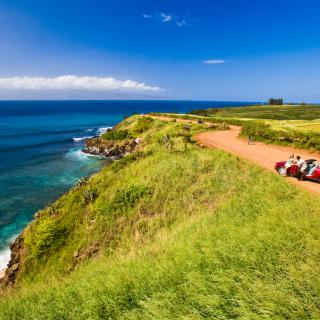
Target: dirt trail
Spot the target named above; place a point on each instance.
(260, 153)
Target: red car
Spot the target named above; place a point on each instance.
(293, 171)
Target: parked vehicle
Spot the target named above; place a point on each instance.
(294, 171)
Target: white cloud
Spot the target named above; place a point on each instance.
(70, 82)
(214, 61)
(165, 17)
(181, 23)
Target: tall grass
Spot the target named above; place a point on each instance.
(284, 112)
(264, 132)
(198, 234)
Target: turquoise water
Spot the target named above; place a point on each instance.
(40, 151)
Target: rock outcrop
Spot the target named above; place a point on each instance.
(110, 148)
(11, 272)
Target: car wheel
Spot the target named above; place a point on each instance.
(282, 171)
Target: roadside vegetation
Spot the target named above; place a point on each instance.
(296, 125)
(267, 132)
(173, 231)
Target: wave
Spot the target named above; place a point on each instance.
(81, 138)
(4, 258)
(76, 154)
(5, 254)
(102, 130)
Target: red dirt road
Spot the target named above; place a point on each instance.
(263, 154)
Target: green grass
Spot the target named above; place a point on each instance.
(295, 125)
(116, 135)
(298, 125)
(185, 233)
(285, 112)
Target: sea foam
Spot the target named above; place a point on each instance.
(102, 130)
(81, 138)
(76, 154)
(4, 258)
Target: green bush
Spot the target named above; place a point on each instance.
(89, 195)
(52, 209)
(201, 112)
(167, 141)
(81, 182)
(263, 132)
(143, 124)
(48, 234)
(116, 135)
(128, 198)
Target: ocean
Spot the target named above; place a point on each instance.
(40, 151)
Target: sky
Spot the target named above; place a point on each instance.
(231, 50)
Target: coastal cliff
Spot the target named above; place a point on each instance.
(113, 144)
(10, 273)
(170, 231)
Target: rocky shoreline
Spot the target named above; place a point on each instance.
(8, 275)
(96, 146)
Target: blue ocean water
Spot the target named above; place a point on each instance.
(40, 151)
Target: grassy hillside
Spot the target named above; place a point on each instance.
(285, 112)
(172, 232)
(304, 134)
(305, 118)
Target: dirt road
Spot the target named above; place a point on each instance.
(260, 153)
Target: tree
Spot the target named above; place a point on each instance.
(275, 102)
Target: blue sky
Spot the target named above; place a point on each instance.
(208, 50)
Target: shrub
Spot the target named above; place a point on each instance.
(187, 137)
(187, 126)
(116, 135)
(126, 199)
(52, 209)
(143, 124)
(89, 195)
(167, 142)
(48, 234)
(81, 182)
(263, 132)
(200, 112)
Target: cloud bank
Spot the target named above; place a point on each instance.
(214, 61)
(70, 82)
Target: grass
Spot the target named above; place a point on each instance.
(296, 125)
(185, 233)
(285, 112)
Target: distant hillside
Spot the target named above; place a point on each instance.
(284, 112)
(172, 231)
